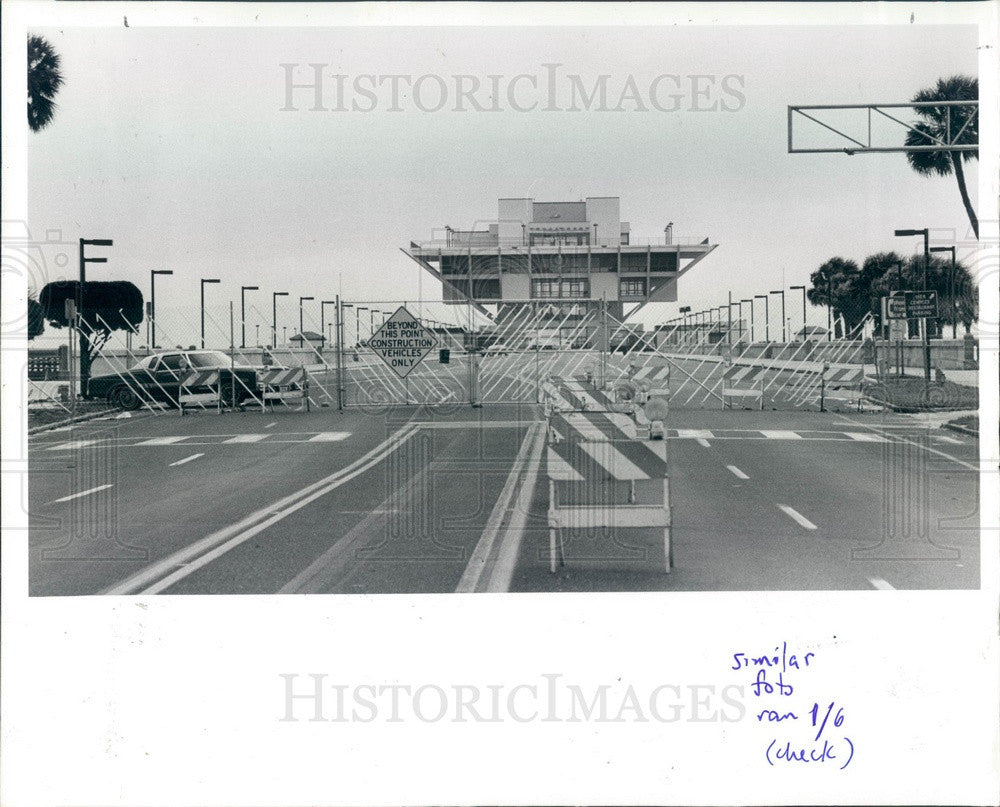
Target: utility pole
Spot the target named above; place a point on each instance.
(925, 232)
(83, 333)
(274, 317)
(243, 313)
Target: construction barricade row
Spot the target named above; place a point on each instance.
(224, 388)
(604, 473)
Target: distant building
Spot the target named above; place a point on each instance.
(812, 332)
(308, 339)
(569, 256)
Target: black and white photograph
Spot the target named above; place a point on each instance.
(646, 318)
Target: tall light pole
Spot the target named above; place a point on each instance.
(729, 320)
(152, 303)
(83, 334)
(322, 318)
(685, 310)
(243, 313)
(951, 289)
(301, 333)
(923, 320)
(205, 280)
(753, 329)
(767, 315)
(784, 333)
(357, 323)
(803, 289)
(274, 317)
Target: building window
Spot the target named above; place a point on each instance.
(634, 287)
(576, 288)
(624, 239)
(555, 239)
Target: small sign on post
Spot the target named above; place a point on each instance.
(402, 342)
(912, 305)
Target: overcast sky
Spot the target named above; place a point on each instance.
(173, 143)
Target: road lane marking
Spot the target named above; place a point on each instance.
(866, 437)
(737, 472)
(246, 438)
(967, 465)
(703, 442)
(187, 459)
(71, 445)
(703, 434)
(881, 584)
(945, 439)
(778, 434)
(329, 437)
(161, 441)
(510, 545)
(483, 551)
(82, 493)
(797, 516)
(167, 571)
(269, 425)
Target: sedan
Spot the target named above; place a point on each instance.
(158, 378)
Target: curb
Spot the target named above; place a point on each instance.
(67, 422)
(960, 429)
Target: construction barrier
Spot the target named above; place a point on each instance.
(199, 387)
(603, 474)
(740, 375)
(286, 385)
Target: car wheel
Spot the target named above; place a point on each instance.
(124, 398)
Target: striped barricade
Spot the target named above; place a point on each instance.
(601, 476)
(198, 387)
(286, 385)
(845, 383)
(745, 382)
(562, 394)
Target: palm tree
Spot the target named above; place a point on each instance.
(956, 125)
(44, 81)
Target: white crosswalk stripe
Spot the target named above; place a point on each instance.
(161, 441)
(72, 445)
(329, 437)
(246, 438)
(866, 437)
(778, 434)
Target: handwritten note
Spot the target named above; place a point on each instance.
(800, 727)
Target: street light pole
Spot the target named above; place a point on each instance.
(152, 303)
(925, 232)
(767, 316)
(274, 317)
(205, 280)
(753, 325)
(322, 319)
(301, 333)
(243, 313)
(803, 289)
(784, 334)
(951, 289)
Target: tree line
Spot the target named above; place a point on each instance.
(854, 291)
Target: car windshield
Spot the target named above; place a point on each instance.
(213, 358)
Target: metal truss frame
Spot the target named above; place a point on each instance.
(949, 143)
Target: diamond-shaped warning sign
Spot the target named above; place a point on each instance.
(402, 342)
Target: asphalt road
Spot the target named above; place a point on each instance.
(413, 499)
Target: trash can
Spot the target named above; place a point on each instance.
(444, 355)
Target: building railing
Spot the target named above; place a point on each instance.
(488, 242)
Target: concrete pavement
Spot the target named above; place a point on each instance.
(417, 499)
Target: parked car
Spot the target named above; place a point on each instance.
(158, 378)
